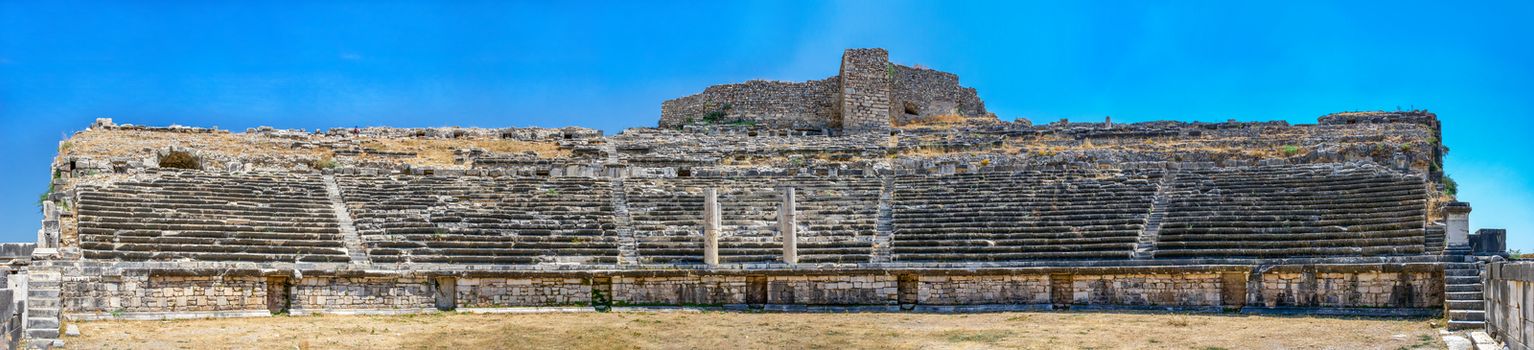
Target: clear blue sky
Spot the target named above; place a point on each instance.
(609, 65)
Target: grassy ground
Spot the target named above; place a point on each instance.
(712, 330)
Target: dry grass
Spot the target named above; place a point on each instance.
(1032, 330)
(937, 120)
(130, 143)
(440, 151)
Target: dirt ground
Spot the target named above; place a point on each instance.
(731, 330)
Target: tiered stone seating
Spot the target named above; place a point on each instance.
(210, 217)
(483, 220)
(1293, 211)
(836, 216)
(1028, 215)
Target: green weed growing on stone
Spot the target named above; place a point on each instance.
(1291, 150)
(1450, 187)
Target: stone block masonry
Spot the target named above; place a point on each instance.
(868, 93)
(865, 92)
(354, 293)
(1412, 288)
(141, 293)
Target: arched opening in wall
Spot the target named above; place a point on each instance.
(508, 135)
(683, 172)
(569, 136)
(912, 109)
(180, 160)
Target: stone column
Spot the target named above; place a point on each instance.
(49, 236)
(710, 227)
(787, 225)
(1456, 225)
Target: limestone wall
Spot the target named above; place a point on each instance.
(1358, 289)
(350, 293)
(1231, 288)
(679, 290)
(141, 293)
(922, 92)
(1168, 289)
(986, 289)
(1509, 291)
(775, 104)
(494, 292)
(866, 77)
(832, 290)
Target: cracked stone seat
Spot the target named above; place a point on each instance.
(188, 215)
(1294, 211)
(482, 219)
(1020, 215)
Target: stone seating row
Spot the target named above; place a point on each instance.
(184, 215)
(836, 218)
(482, 220)
(1293, 211)
(1020, 215)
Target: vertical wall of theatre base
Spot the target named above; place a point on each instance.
(1412, 287)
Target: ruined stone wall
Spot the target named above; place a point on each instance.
(344, 293)
(776, 104)
(867, 94)
(983, 289)
(1509, 292)
(1358, 289)
(680, 290)
(832, 290)
(1181, 289)
(866, 76)
(920, 93)
(1292, 286)
(495, 292)
(142, 293)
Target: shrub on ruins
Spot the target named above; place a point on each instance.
(180, 160)
(1449, 186)
(715, 115)
(1291, 150)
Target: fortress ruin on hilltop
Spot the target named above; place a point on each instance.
(760, 196)
(868, 94)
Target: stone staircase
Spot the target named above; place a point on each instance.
(44, 304)
(1464, 302)
(354, 248)
(628, 247)
(1145, 245)
(1432, 240)
(885, 227)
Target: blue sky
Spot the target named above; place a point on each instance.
(609, 65)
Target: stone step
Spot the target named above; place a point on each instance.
(1466, 305)
(1464, 296)
(1463, 325)
(1469, 287)
(1462, 272)
(47, 335)
(43, 323)
(39, 303)
(1467, 315)
(43, 311)
(1462, 280)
